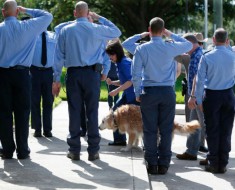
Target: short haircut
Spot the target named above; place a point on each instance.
(221, 35)
(114, 47)
(10, 6)
(81, 6)
(156, 25)
(191, 37)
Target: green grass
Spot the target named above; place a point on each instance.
(104, 92)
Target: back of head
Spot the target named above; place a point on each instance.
(114, 47)
(81, 9)
(156, 25)
(9, 8)
(220, 35)
(191, 37)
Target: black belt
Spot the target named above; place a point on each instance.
(41, 68)
(82, 67)
(223, 90)
(19, 67)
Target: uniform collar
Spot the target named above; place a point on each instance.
(10, 18)
(156, 38)
(82, 19)
(220, 47)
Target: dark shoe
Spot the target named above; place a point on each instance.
(152, 169)
(186, 156)
(117, 143)
(47, 134)
(203, 162)
(222, 170)
(73, 156)
(6, 156)
(83, 134)
(23, 157)
(211, 169)
(162, 170)
(93, 157)
(203, 149)
(37, 134)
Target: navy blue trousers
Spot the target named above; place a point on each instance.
(83, 86)
(158, 112)
(83, 119)
(41, 90)
(15, 100)
(218, 108)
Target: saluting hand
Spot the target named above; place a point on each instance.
(166, 32)
(94, 15)
(21, 9)
(144, 34)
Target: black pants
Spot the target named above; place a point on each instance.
(41, 89)
(83, 86)
(218, 108)
(14, 102)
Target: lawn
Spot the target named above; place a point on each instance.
(104, 92)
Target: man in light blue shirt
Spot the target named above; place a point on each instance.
(80, 48)
(17, 47)
(42, 79)
(214, 95)
(154, 68)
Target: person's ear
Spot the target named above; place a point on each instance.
(75, 13)
(214, 40)
(3, 13)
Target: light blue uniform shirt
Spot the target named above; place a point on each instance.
(51, 43)
(18, 38)
(216, 71)
(130, 43)
(82, 43)
(154, 61)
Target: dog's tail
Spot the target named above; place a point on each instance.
(186, 128)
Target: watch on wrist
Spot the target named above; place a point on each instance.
(192, 96)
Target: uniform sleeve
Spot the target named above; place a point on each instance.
(106, 30)
(106, 64)
(59, 58)
(40, 21)
(200, 80)
(136, 72)
(130, 43)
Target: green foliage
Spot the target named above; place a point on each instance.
(132, 16)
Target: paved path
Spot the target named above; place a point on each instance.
(50, 169)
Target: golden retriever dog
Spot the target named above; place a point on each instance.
(127, 119)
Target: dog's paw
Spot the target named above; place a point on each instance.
(126, 149)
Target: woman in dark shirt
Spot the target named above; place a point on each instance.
(116, 53)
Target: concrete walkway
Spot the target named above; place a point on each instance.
(50, 169)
